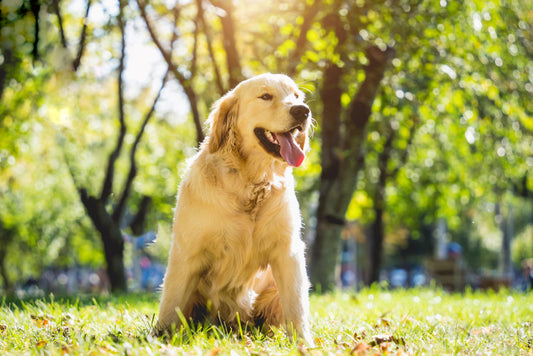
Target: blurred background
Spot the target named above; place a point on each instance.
(420, 163)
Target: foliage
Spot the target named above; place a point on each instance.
(455, 78)
(455, 103)
(57, 126)
(374, 321)
(522, 247)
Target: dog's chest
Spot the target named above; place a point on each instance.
(255, 196)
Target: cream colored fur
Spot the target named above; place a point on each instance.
(236, 238)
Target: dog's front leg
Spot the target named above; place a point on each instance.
(293, 285)
(179, 284)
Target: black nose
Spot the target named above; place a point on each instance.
(299, 112)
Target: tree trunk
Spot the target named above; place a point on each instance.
(138, 222)
(325, 250)
(377, 236)
(6, 237)
(6, 68)
(326, 247)
(508, 235)
(114, 256)
(229, 42)
(375, 243)
(342, 160)
(8, 287)
(506, 227)
(193, 101)
(112, 240)
(310, 12)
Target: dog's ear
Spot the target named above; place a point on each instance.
(221, 119)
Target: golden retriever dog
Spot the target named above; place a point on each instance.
(236, 253)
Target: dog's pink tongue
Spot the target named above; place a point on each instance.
(290, 150)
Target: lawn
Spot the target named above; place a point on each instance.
(373, 321)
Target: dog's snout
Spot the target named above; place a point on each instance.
(299, 112)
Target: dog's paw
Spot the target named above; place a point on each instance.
(308, 339)
(159, 331)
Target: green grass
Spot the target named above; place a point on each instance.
(374, 321)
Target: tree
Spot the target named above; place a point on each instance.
(341, 163)
(377, 230)
(342, 147)
(19, 49)
(110, 220)
(465, 136)
(110, 224)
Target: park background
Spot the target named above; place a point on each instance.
(422, 146)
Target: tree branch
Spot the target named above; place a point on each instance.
(384, 157)
(220, 86)
(118, 213)
(35, 7)
(184, 82)
(309, 15)
(83, 37)
(110, 171)
(358, 116)
(60, 23)
(192, 68)
(71, 172)
(176, 11)
(332, 108)
(405, 153)
(361, 104)
(229, 42)
(137, 221)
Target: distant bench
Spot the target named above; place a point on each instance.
(447, 273)
(495, 282)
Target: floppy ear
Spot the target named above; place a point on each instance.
(222, 118)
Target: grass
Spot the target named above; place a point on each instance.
(374, 321)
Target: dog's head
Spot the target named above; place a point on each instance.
(264, 114)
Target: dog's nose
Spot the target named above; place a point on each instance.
(299, 112)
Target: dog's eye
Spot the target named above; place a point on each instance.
(296, 95)
(266, 96)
